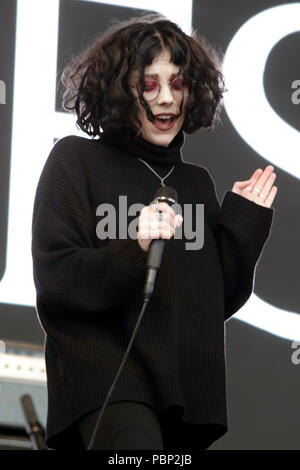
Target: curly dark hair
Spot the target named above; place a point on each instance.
(96, 80)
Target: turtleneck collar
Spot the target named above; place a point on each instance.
(156, 154)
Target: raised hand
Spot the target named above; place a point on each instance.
(259, 188)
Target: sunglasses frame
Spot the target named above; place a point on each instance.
(159, 85)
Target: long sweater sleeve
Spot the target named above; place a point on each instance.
(242, 228)
(69, 272)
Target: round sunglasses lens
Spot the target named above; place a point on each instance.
(177, 86)
(150, 89)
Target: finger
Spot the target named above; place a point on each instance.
(152, 226)
(149, 214)
(256, 173)
(168, 234)
(165, 208)
(271, 197)
(156, 217)
(254, 179)
(161, 233)
(162, 213)
(259, 184)
(165, 225)
(267, 187)
(143, 233)
(179, 220)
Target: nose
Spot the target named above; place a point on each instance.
(165, 95)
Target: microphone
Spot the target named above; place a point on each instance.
(156, 248)
(34, 429)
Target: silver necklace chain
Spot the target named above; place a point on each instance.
(161, 179)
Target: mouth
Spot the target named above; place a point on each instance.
(164, 124)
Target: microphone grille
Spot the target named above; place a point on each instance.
(166, 192)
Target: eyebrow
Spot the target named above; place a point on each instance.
(156, 75)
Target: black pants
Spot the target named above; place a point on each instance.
(125, 425)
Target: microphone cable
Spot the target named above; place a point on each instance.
(90, 446)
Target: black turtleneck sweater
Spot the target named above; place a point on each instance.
(90, 290)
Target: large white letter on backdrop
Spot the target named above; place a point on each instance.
(31, 144)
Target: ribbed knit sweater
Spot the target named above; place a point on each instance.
(90, 290)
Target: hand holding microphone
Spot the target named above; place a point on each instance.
(151, 227)
(151, 235)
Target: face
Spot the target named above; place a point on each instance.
(165, 102)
